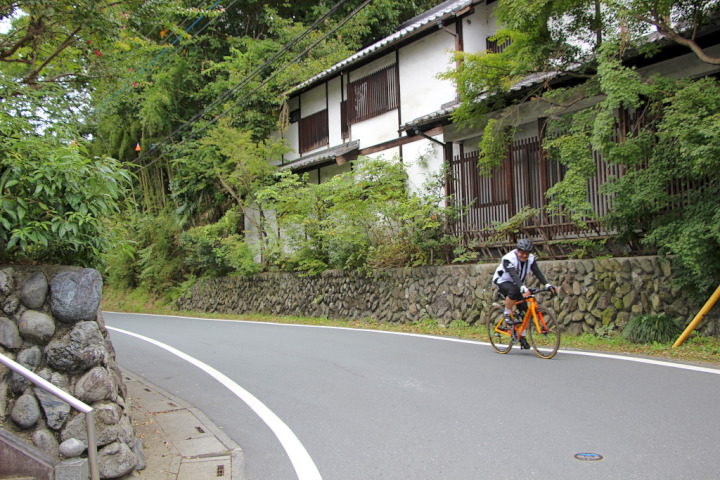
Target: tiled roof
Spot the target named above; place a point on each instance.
(414, 25)
(321, 157)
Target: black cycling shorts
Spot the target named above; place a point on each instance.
(509, 289)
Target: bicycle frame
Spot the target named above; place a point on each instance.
(531, 312)
(544, 332)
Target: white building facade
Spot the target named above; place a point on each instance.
(389, 101)
(376, 102)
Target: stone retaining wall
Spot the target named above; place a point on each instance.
(597, 295)
(50, 323)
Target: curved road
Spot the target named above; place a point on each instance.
(371, 405)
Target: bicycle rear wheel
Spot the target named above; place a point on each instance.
(500, 338)
(547, 341)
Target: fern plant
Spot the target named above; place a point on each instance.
(652, 328)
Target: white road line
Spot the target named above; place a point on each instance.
(304, 466)
(662, 363)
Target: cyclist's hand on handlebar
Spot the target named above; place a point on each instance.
(524, 291)
(551, 288)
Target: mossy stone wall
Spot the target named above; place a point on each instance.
(596, 295)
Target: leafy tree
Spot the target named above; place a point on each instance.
(587, 43)
(363, 219)
(55, 198)
(55, 195)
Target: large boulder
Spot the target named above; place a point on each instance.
(56, 410)
(29, 358)
(9, 334)
(122, 431)
(7, 280)
(81, 349)
(94, 386)
(36, 326)
(116, 460)
(34, 290)
(25, 412)
(75, 296)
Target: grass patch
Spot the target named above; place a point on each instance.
(652, 329)
(695, 349)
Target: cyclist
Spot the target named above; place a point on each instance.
(509, 278)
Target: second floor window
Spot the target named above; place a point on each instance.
(494, 47)
(314, 131)
(373, 95)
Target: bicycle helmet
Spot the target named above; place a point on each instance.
(524, 244)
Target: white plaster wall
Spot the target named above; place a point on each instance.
(388, 155)
(477, 27)
(422, 159)
(376, 130)
(334, 101)
(470, 145)
(291, 134)
(421, 92)
(293, 139)
(313, 101)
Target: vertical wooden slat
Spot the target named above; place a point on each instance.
(374, 94)
(314, 131)
(509, 182)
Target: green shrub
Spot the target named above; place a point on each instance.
(55, 197)
(362, 219)
(147, 253)
(652, 328)
(240, 256)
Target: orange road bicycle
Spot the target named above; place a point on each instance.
(540, 323)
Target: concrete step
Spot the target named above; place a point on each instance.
(22, 461)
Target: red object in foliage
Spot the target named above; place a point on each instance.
(134, 84)
(137, 147)
(97, 53)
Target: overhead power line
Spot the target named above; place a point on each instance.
(229, 92)
(278, 72)
(177, 38)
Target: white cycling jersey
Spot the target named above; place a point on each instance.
(502, 275)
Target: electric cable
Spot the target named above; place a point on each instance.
(144, 69)
(278, 72)
(229, 92)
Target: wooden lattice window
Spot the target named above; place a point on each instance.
(495, 47)
(373, 95)
(344, 126)
(314, 131)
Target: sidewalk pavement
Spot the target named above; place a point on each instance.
(179, 441)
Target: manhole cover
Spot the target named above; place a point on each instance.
(589, 457)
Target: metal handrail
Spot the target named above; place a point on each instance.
(67, 398)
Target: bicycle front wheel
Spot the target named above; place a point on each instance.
(500, 338)
(546, 341)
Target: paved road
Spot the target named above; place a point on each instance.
(371, 405)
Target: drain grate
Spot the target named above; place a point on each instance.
(220, 471)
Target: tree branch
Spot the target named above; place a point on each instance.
(31, 77)
(29, 36)
(662, 23)
(692, 45)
